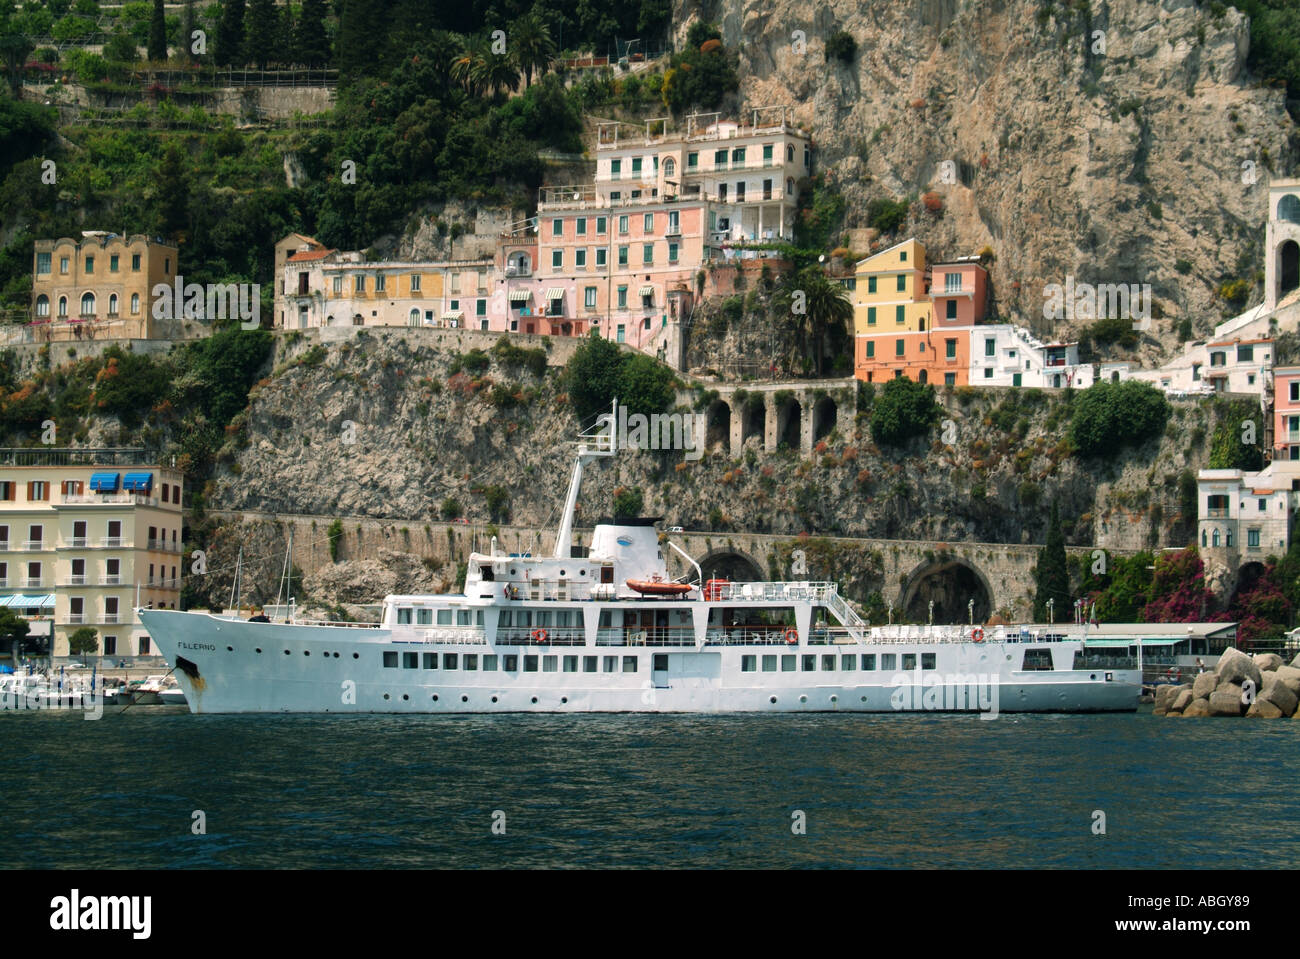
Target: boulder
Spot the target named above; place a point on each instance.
(1277, 693)
(1289, 676)
(1263, 709)
(1164, 699)
(1226, 701)
(1182, 700)
(1267, 662)
(1197, 707)
(1235, 667)
(1206, 682)
(1296, 662)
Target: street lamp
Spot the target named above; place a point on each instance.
(1051, 607)
(891, 614)
(970, 608)
(931, 612)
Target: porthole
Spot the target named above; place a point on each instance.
(286, 652)
(773, 699)
(259, 649)
(564, 699)
(405, 697)
(1093, 676)
(582, 572)
(534, 700)
(835, 699)
(435, 697)
(563, 573)
(494, 699)
(306, 652)
(864, 699)
(803, 699)
(354, 655)
(336, 655)
(385, 695)
(512, 571)
(464, 699)
(231, 649)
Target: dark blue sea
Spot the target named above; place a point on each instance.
(644, 791)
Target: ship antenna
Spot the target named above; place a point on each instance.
(604, 443)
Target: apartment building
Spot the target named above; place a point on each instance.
(1218, 366)
(100, 286)
(1246, 517)
(622, 254)
(1285, 443)
(91, 534)
(1007, 355)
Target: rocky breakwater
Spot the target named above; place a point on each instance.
(1240, 685)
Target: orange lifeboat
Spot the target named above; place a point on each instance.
(656, 586)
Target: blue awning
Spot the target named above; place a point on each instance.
(138, 482)
(104, 482)
(28, 601)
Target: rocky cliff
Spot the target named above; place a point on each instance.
(1108, 141)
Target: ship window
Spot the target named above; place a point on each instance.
(589, 664)
(390, 660)
(888, 661)
(787, 664)
(430, 660)
(747, 663)
(471, 661)
(448, 660)
(462, 617)
(769, 664)
(607, 574)
(548, 664)
(506, 618)
(828, 662)
(927, 660)
(478, 617)
(489, 663)
(410, 660)
(848, 661)
(423, 617)
(809, 663)
(629, 664)
(444, 617)
(1037, 659)
(868, 661)
(570, 664)
(404, 616)
(485, 573)
(909, 661)
(510, 664)
(611, 664)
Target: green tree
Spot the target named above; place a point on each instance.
(334, 535)
(14, 48)
(311, 40)
(628, 501)
(702, 74)
(157, 48)
(121, 48)
(531, 45)
(13, 631)
(1238, 437)
(1107, 416)
(1052, 575)
(229, 48)
(819, 307)
(645, 385)
(188, 26)
(902, 410)
(591, 377)
(261, 32)
(83, 640)
(173, 191)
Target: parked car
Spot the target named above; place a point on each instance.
(674, 529)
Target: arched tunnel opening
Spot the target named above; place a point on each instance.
(951, 584)
(730, 565)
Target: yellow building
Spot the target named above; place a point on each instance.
(101, 286)
(891, 294)
(87, 535)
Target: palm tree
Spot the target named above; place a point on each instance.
(531, 45)
(498, 73)
(817, 305)
(467, 67)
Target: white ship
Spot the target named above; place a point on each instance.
(607, 629)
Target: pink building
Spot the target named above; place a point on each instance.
(1286, 413)
(959, 291)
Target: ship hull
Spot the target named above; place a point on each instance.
(229, 666)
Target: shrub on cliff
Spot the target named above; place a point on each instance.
(903, 409)
(599, 372)
(334, 534)
(1107, 416)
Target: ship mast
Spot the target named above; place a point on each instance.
(605, 443)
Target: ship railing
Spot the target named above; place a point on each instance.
(331, 622)
(463, 635)
(809, 592)
(646, 636)
(541, 636)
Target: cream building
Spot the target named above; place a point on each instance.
(101, 286)
(87, 535)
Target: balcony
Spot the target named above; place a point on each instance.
(110, 619)
(76, 619)
(108, 499)
(33, 545)
(33, 583)
(76, 580)
(161, 544)
(78, 542)
(1216, 513)
(112, 542)
(110, 581)
(4, 546)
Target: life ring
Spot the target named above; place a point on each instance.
(1175, 673)
(977, 634)
(792, 636)
(539, 637)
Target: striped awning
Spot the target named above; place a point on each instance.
(520, 296)
(646, 291)
(21, 601)
(454, 315)
(555, 293)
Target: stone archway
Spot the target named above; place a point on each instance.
(753, 420)
(789, 420)
(951, 583)
(731, 564)
(824, 416)
(1288, 267)
(718, 429)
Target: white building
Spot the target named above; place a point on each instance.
(1005, 355)
(1246, 517)
(1217, 366)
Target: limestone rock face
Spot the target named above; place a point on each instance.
(1236, 667)
(1204, 684)
(1059, 150)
